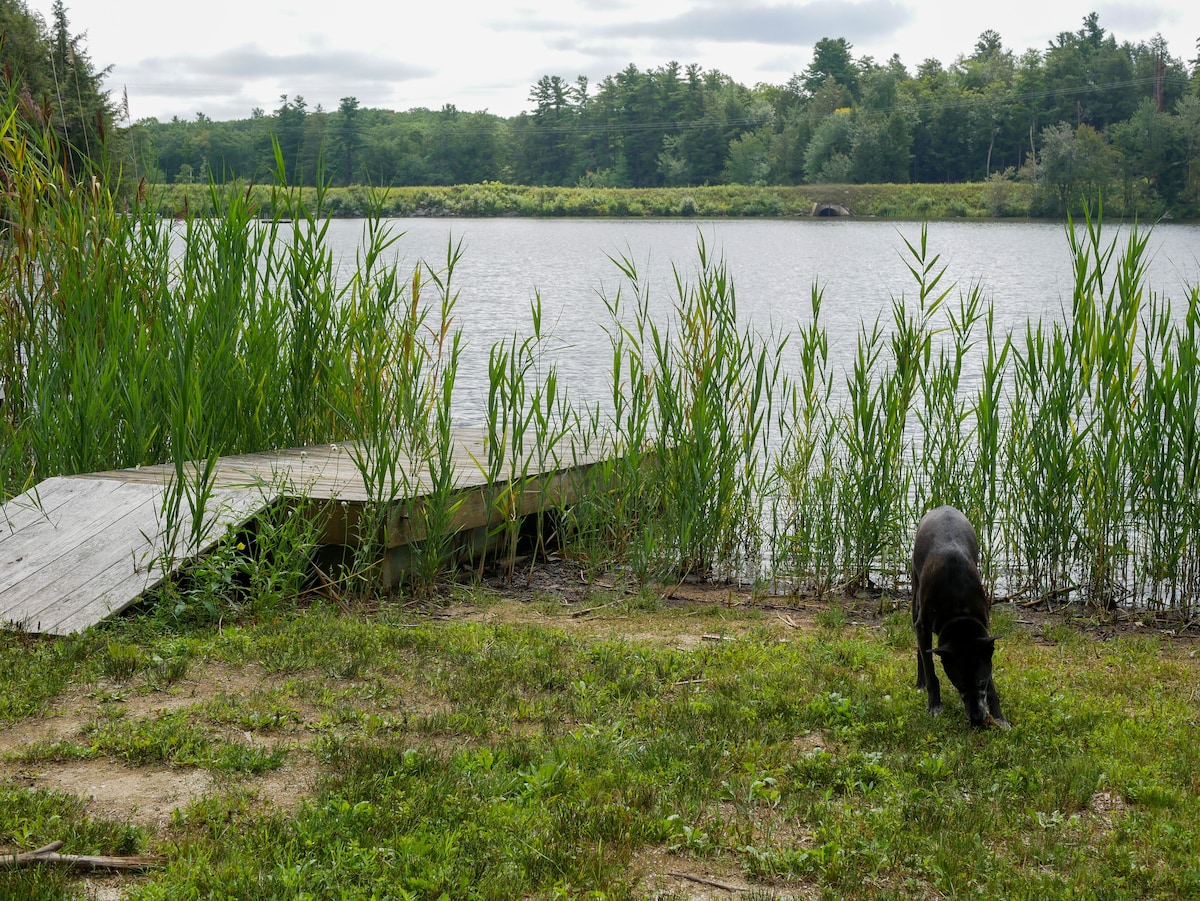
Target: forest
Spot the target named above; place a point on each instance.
(1088, 115)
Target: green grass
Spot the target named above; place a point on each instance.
(546, 755)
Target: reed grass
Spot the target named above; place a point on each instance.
(806, 500)
(697, 391)
(529, 421)
(733, 450)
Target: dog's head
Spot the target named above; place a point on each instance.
(967, 661)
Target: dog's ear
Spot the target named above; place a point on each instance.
(944, 650)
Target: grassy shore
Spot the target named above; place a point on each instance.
(600, 743)
(925, 201)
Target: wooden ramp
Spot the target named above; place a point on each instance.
(76, 549)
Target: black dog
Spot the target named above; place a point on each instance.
(948, 600)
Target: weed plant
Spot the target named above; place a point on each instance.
(529, 419)
(806, 496)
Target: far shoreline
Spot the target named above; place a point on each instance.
(991, 200)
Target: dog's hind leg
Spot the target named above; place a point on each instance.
(933, 688)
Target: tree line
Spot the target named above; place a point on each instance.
(1086, 115)
(50, 80)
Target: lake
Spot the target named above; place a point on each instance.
(1024, 268)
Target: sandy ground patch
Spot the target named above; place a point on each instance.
(144, 796)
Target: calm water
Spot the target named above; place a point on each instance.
(1023, 268)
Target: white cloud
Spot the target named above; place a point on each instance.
(229, 56)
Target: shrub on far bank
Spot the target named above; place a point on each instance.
(909, 201)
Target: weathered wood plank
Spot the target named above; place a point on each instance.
(113, 591)
(47, 538)
(489, 506)
(74, 572)
(60, 554)
(43, 500)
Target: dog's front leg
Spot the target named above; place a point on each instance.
(926, 675)
(932, 687)
(993, 702)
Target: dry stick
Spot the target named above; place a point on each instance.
(584, 579)
(703, 880)
(329, 587)
(788, 621)
(590, 610)
(1049, 598)
(86, 862)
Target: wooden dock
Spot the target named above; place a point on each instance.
(77, 549)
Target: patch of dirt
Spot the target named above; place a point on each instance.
(144, 795)
(1104, 808)
(557, 593)
(148, 796)
(108, 888)
(66, 723)
(667, 875)
(803, 745)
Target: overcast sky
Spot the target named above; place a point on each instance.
(224, 58)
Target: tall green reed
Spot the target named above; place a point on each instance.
(1105, 323)
(805, 505)
(957, 451)
(528, 419)
(396, 382)
(1042, 464)
(428, 409)
(702, 395)
(81, 302)
(876, 479)
(1164, 456)
(985, 487)
(614, 496)
(945, 418)
(1090, 420)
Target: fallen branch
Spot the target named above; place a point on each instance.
(85, 862)
(704, 880)
(590, 610)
